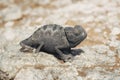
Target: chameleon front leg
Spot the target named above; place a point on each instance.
(39, 47)
(63, 56)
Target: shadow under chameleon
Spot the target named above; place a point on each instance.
(74, 53)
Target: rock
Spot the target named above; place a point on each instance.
(11, 63)
(47, 73)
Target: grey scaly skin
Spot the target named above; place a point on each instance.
(55, 39)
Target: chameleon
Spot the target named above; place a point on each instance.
(55, 39)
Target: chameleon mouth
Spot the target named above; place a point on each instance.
(25, 48)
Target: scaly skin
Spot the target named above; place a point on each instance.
(55, 39)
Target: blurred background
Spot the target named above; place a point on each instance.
(101, 19)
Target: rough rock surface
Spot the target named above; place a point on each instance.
(101, 57)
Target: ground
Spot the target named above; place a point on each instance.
(100, 59)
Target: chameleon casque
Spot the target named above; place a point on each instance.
(55, 39)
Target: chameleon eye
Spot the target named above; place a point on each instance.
(76, 34)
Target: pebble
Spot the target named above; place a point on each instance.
(9, 34)
(11, 13)
(115, 31)
(9, 24)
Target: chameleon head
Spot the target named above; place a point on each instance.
(75, 35)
